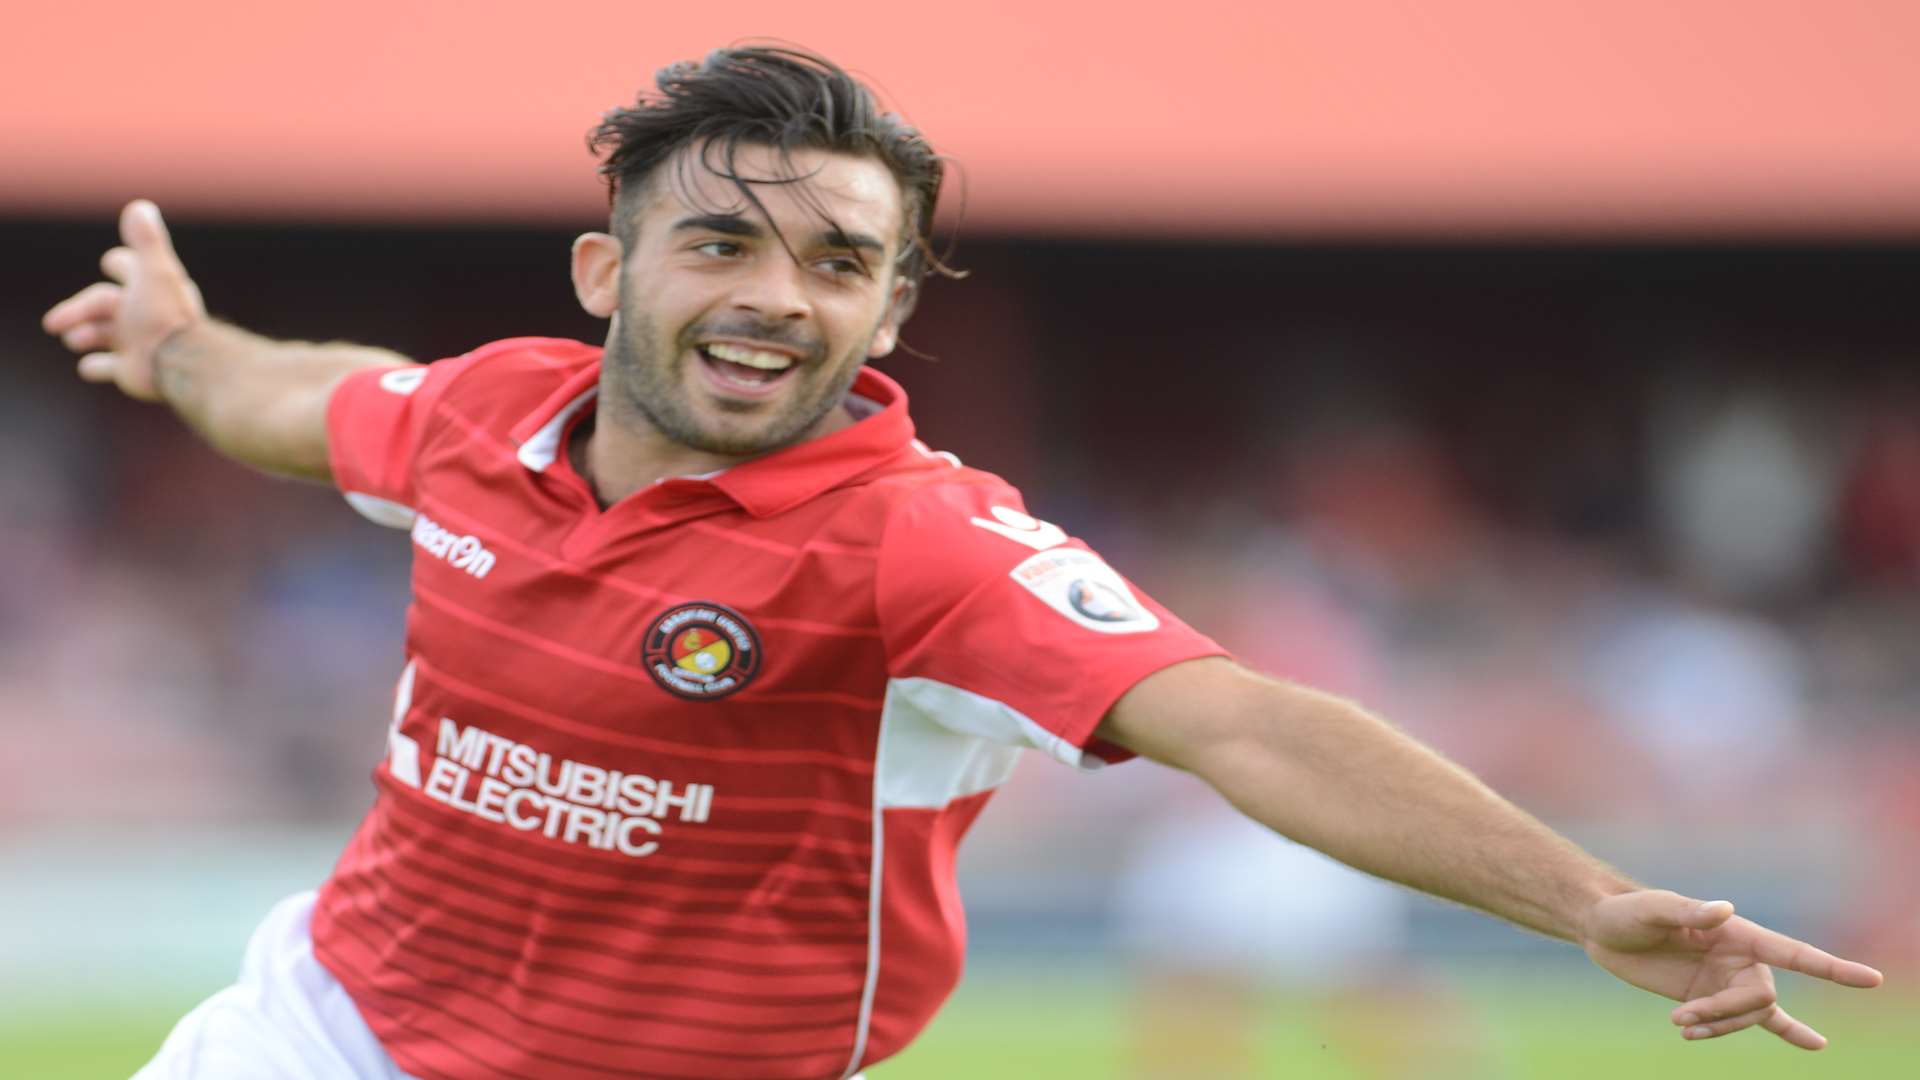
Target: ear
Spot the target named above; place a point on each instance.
(898, 308)
(596, 273)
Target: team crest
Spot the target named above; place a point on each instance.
(701, 651)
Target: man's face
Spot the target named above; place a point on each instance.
(724, 339)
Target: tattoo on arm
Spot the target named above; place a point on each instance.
(170, 376)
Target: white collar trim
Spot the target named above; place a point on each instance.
(543, 447)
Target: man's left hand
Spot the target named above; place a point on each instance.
(1716, 964)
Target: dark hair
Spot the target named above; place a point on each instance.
(771, 96)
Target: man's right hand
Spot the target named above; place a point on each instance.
(119, 325)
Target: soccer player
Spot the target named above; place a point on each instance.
(711, 663)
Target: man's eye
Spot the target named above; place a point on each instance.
(843, 264)
(721, 248)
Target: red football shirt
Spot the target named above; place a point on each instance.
(673, 788)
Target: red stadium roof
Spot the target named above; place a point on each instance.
(1364, 117)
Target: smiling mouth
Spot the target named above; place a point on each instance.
(744, 367)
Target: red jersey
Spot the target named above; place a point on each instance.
(674, 787)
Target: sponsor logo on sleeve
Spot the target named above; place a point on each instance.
(701, 651)
(1023, 529)
(1081, 586)
(403, 381)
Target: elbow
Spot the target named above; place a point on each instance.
(1244, 731)
(1274, 734)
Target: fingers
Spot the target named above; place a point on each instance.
(143, 238)
(143, 230)
(1728, 1025)
(1733, 1001)
(95, 303)
(86, 337)
(1708, 914)
(1794, 1031)
(1784, 952)
(119, 263)
(98, 367)
(1855, 974)
(1658, 907)
(1772, 1017)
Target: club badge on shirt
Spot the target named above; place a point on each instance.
(701, 651)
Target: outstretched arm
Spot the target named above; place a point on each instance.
(1324, 772)
(259, 401)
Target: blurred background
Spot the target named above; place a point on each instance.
(1546, 377)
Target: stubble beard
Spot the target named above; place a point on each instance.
(655, 387)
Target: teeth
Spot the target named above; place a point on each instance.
(753, 358)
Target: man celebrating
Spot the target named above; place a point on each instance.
(711, 663)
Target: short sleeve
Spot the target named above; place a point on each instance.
(377, 420)
(1003, 627)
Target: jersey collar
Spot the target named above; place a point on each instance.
(766, 485)
(786, 478)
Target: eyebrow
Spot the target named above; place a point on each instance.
(725, 224)
(736, 225)
(839, 238)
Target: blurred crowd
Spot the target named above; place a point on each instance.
(1684, 623)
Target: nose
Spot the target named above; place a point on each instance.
(774, 288)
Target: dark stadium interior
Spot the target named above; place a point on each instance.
(1173, 373)
(1507, 353)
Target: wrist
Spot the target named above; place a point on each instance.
(171, 378)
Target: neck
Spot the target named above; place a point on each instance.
(620, 454)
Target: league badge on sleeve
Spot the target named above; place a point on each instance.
(701, 651)
(1081, 586)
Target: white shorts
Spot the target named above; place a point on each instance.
(287, 1018)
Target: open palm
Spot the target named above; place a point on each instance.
(1717, 965)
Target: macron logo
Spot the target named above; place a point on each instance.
(1023, 529)
(403, 381)
(461, 552)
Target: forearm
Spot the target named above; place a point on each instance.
(1339, 779)
(1323, 771)
(259, 401)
